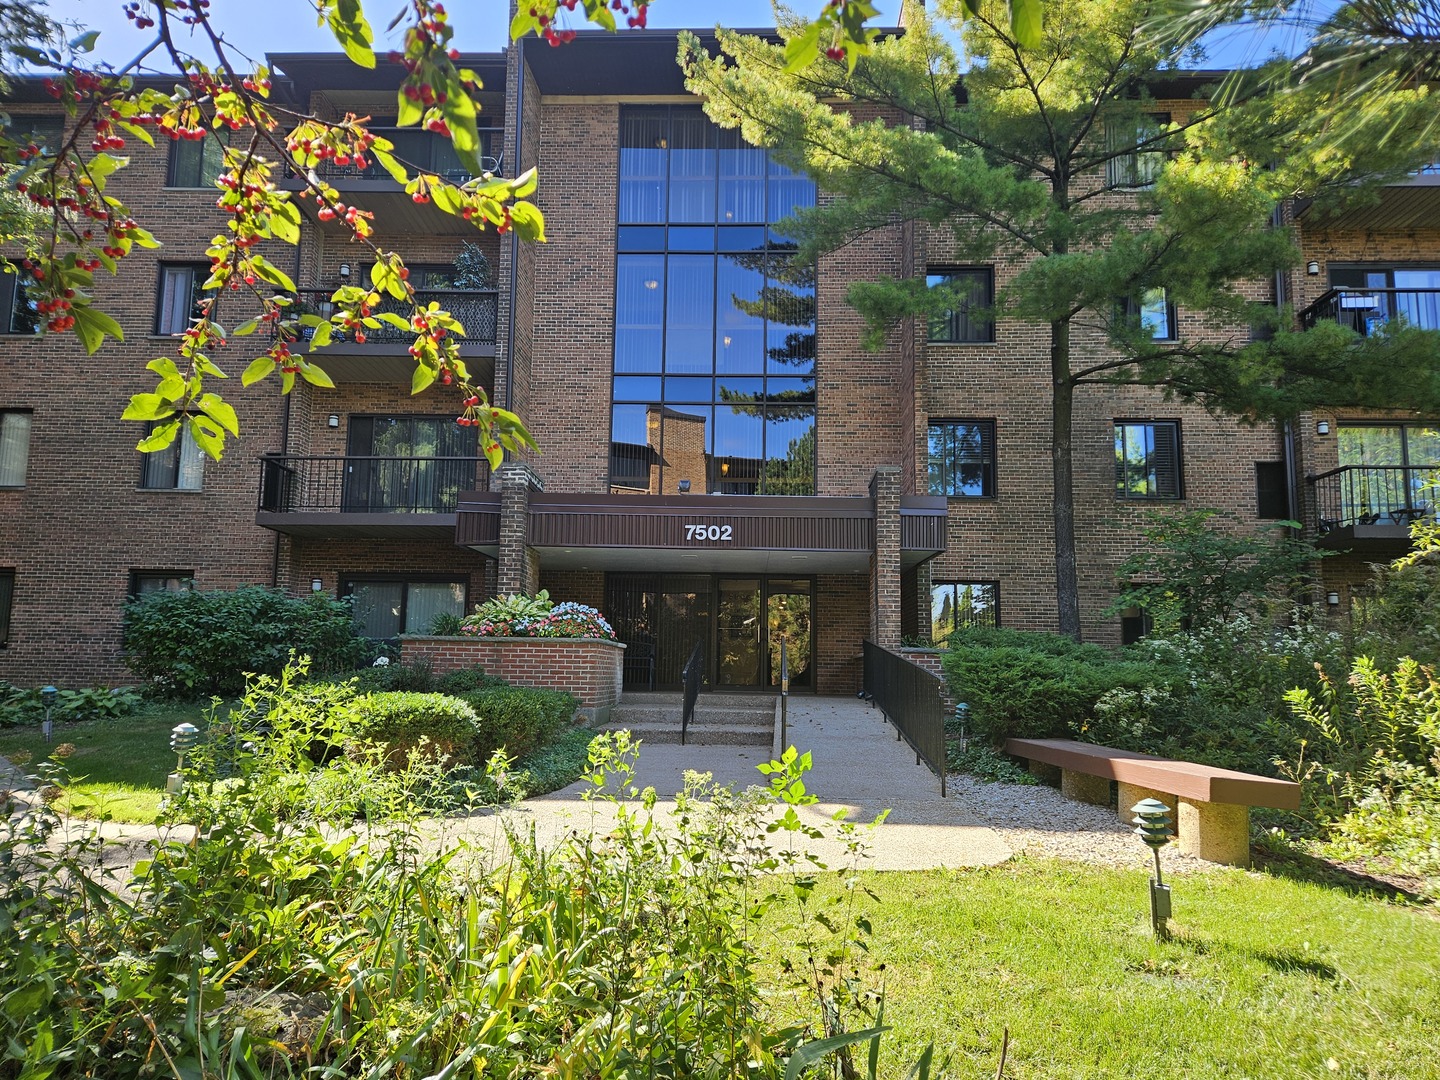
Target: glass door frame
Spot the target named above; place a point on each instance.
(712, 667)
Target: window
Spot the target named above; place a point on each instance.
(1135, 165)
(1372, 296)
(1154, 313)
(956, 605)
(197, 163)
(714, 363)
(1147, 459)
(7, 600)
(962, 458)
(46, 132)
(1388, 472)
(1272, 499)
(18, 313)
(407, 464)
(965, 322)
(180, 294)
(14, 447)
(1134, 624)
(386, 607)
(179, 467)
(143, 582)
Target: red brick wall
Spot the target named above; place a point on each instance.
(588, 668)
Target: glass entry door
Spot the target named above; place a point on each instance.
(739, 633)
(789, 633)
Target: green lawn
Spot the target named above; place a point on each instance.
(119, 766)
(1265, 976)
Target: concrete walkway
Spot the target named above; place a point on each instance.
(858, 766)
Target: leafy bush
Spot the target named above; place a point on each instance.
(399, 721)
(518, 719)
(446, 624)
(464, 680)
(1026, 685)
(985, 763)
(24, 707)
(1398, 613)
(392, 675)
(202, 643)
(524, 616)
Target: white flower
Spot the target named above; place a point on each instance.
(381, 661)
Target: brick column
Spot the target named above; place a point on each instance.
(885, 559)
(519, 569)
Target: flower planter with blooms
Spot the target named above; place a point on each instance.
(567, 620)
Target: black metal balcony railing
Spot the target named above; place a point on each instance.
(911, 698)
(1374, 495)
(367, 485)
(478, 311)
(1368, 310)
(424, 151)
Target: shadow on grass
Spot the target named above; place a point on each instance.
(1291, 962)
(1298, 866)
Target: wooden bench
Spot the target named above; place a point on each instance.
(1212, 805)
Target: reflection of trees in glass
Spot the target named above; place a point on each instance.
(787, 298)
(790, 623)
(794, 474)
(957, 605)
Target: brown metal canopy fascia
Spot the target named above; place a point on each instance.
(477, 521)
(923, 533)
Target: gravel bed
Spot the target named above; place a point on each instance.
(1038, 820)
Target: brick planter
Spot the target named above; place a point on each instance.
(589, 668)
(929, 659)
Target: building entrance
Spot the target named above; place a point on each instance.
(745, 623)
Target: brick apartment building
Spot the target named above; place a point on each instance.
(722, 462)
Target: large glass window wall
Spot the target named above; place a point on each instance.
(714, 388)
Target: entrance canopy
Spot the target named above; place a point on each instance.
(708, 533)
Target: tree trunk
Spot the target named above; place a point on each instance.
(1067, 587)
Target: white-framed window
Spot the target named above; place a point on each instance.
(180, 296)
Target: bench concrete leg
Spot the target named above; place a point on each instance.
(1216, 832)
(1130, 794)
(1085, 788)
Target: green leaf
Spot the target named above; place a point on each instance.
(528, 222)
(1026, 17)
(348, 24)
(316, 376)
(205, 366)
(221, 412)
(259, 368)
(159, 438)
(804, 50)
(284, 221)
(397, 321)
(147, 407)
(287, 381)
(267, 271)
(423, 377)
(206, 434)
(322, 336)
(245, 329)
(85, 42)
(389, 164)
(813, 1052)
(407, 114)
(91, 326)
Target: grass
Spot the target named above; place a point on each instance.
(119, 765)
(1264, 976)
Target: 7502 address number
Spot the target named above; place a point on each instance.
(697, 533)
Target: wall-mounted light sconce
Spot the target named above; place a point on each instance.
(684, 486)
(1322, 427)
(316, 585)
(334, 420)
(1312, 268)
(344, 270)
(1332, 598)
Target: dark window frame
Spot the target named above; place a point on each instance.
(136, 576)
(176, 449)
(956, 584)
(347, 583)
(29, 439)
(7, 603)
(988, 463)
(199, 273)
(1272, 491)
(15, 300)
(1121, 491)
(1132, 309)
(957, 328)
(1123, 172)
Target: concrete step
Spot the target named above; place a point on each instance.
(710, 734)
(719, 719)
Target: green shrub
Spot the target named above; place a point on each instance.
(464, 680)
(20, 707)
(399, 720)
(203, 643)
(1032, 686)
(520, 719)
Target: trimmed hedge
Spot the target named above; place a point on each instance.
(1034, 686)
(202, 643)
(400, 719)
(521, 719)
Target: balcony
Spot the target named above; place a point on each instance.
(374, 189)
(1368, 310)
(1411, 203)
(374, 497)
(385, 356)
(1371, 507)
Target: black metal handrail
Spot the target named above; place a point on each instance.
(478, 311)
(367, 485)
(693, 674)
(1367, 310)
(784, 691)
(1374, 494)
(910, 698)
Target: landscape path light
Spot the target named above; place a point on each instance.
(1152, 825)
(183, 738)
(47, 698)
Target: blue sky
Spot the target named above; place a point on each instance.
(255, 26)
